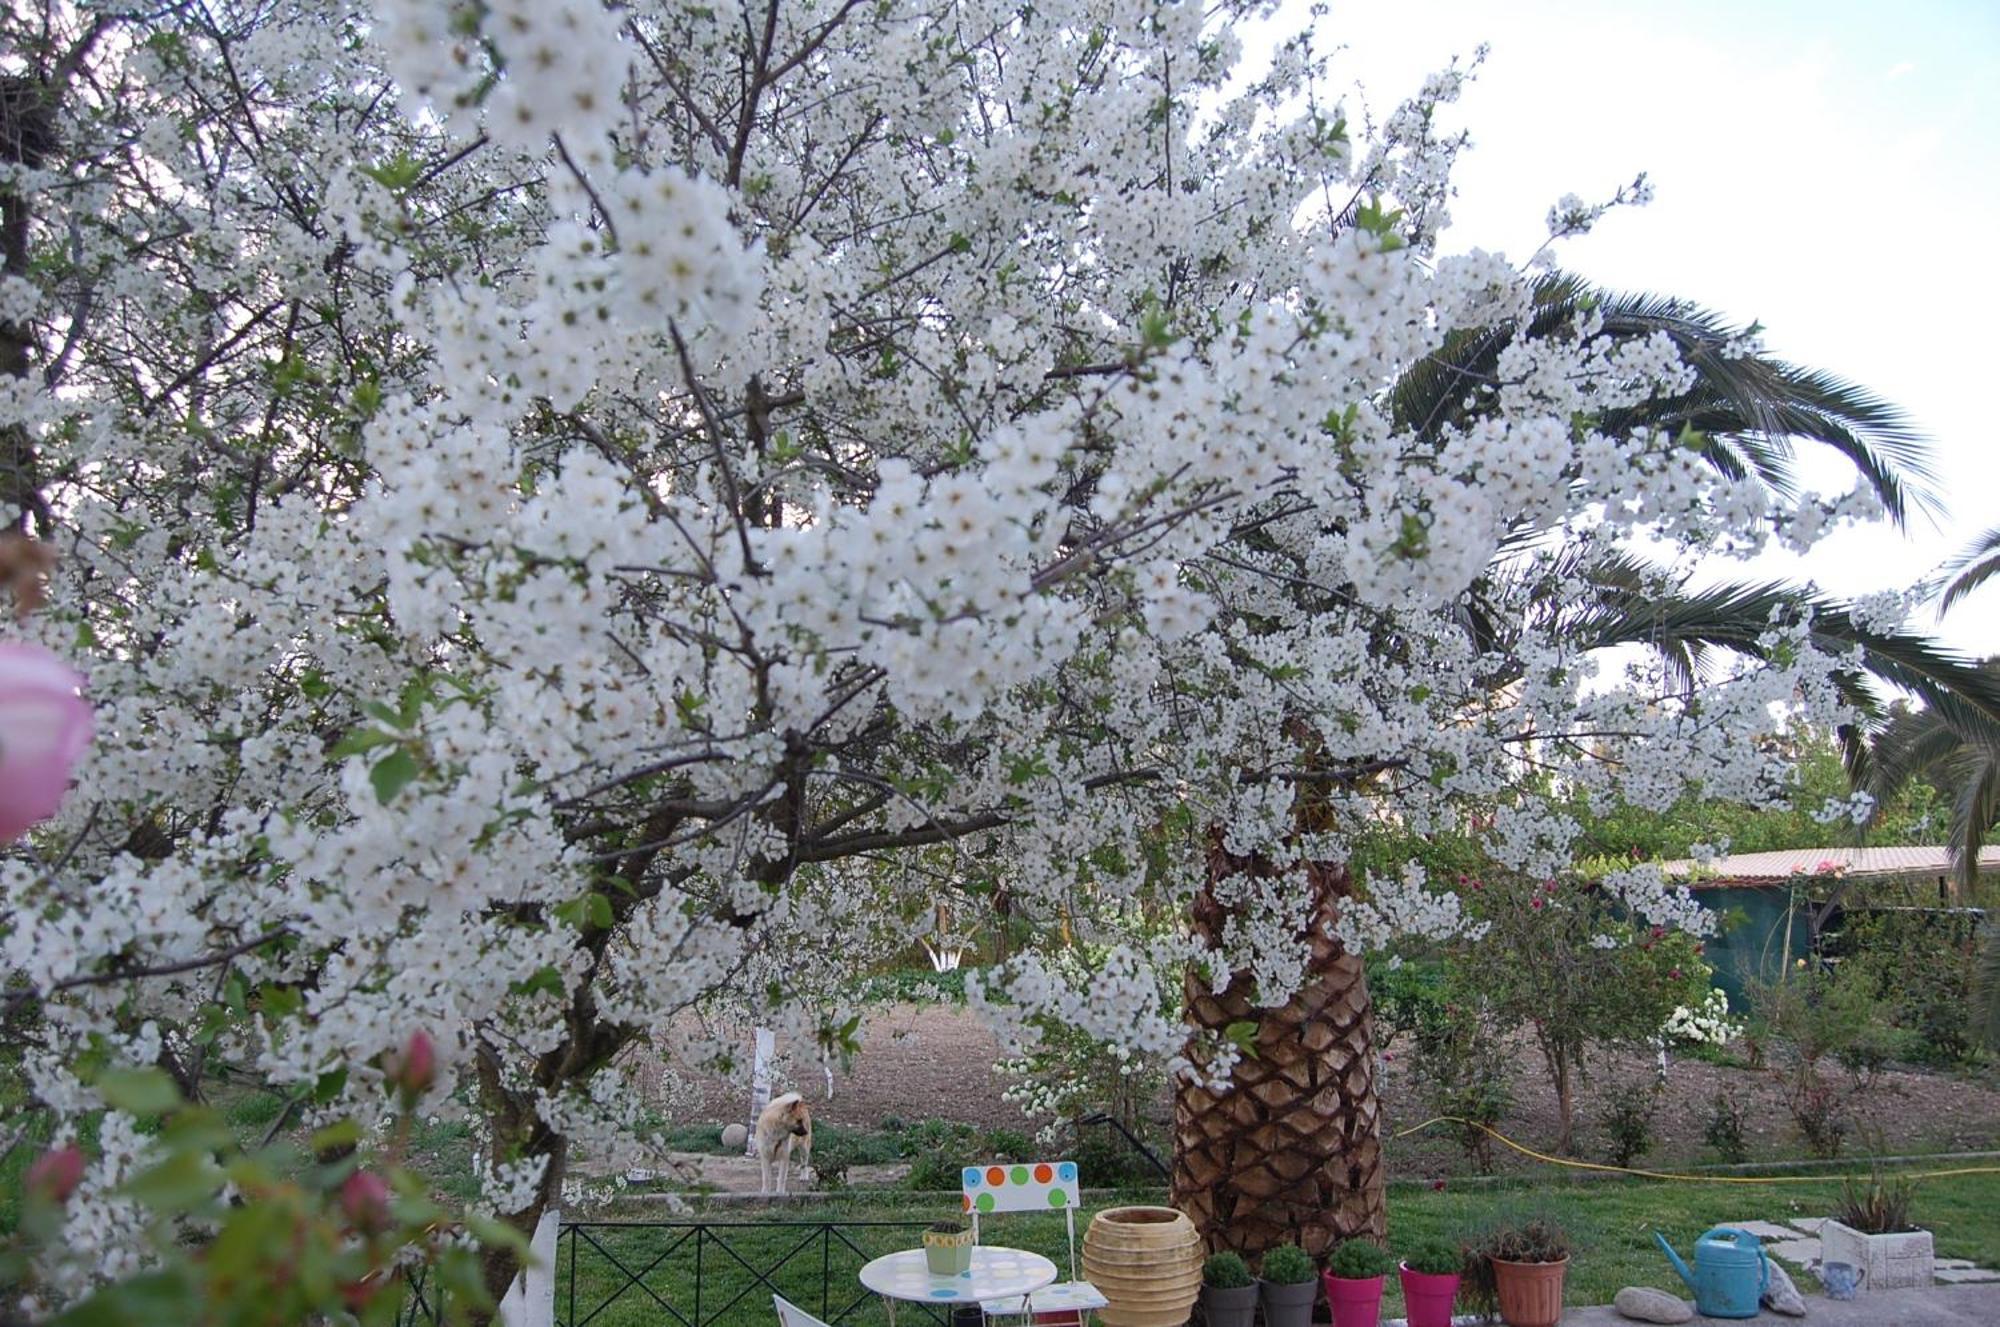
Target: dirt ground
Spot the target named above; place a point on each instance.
(920, 1061)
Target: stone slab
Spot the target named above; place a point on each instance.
(1938, 1306)
(1964, 1275)
(1809, 1224)
(1804, 1252)
(1955, 1262)
(1764, 1230)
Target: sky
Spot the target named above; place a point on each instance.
(1830, 169)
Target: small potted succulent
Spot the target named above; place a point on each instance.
(1228, 1294)
(948, 1248)
(1288, 1287)
(1354, 1276)
(1519, 1268)
(1430, 1283)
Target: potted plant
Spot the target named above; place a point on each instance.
(1353, 1281)
(1288, 1287)
(1519, 1269)
(1871, 1231)
(948, 1248)
(1430, 1283)
(1228, 1294)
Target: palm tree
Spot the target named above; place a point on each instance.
(1293, 1151)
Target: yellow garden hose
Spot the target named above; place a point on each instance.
(1664, 1175)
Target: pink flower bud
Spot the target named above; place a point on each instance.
(44, 728)
(414, 1068)
(56, 1172)
(364, 1197)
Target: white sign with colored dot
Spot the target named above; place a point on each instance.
(1034, 1186)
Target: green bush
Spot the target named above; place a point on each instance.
(1359, 1259)
(1225, 1271)
(1433, 1258)
(1724, 1130)
(1288, 1265)
(1627, 1120)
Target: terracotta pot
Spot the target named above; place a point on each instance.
(1356, 1301)
(1146, 1261)
(1530, 1293)
(1428, 1297)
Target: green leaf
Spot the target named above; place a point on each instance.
(139, 1091)
(1243, 1036)
(339, 1134)
(329, 1085)
(491, 1233)
(391, 774)
(361, 739)
(150, 1297)
(175, 1185)
(545, 978)
(600, 911)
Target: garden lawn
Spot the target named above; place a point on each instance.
(1611, 1224)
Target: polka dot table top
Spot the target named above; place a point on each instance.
(995, 1274)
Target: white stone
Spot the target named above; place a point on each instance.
(1961, 1275)
(734, 1135)
(1645, 1304)
(1809, 1224)
(1892, 1262)
(1780, 1295)
(1943, 1263)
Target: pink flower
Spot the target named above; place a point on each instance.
(1437, 1186)
(44, 728)
(414, 1068)
(1535, 902)
(56, 1172)
(364, 1197)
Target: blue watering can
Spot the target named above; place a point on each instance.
(1730, 1272)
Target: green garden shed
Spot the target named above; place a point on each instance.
(1774, 903)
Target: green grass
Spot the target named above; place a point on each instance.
(1611, 1224)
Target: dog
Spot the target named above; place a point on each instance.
(784, 1130)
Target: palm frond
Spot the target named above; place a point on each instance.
(1751, 410)
(1972, 568)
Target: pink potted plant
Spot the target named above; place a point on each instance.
(1430, 1283)
(1353, 1280)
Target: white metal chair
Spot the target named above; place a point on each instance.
(791, 1315)
(1035, 1186)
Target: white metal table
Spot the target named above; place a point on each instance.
(995, 1274)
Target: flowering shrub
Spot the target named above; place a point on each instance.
(572, 513)
(1706, 1023)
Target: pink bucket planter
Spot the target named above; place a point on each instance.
(1428, 1297)
(1355, 1301)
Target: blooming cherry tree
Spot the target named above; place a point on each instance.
(576, 511)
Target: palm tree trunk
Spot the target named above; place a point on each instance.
(1291, 1151)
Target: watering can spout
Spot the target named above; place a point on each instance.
(1680, 1268)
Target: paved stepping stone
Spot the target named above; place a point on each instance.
(1967, 1274)
(1764, 1230)
(1804, 1252)
(1809, 1224)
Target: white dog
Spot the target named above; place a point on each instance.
(784, 1128)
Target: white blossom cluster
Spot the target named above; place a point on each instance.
(1706, 1024)
(602, 513)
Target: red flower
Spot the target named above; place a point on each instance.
(1437, 1186)
(414, 1068)
(364, 1198)
(56, 1173)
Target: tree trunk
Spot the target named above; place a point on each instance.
(1291, 1151)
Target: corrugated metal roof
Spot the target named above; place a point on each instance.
(1764, 868)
